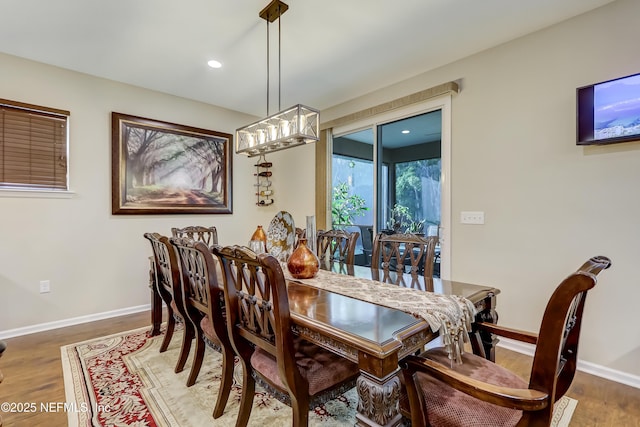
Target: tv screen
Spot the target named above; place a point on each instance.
(609, 112)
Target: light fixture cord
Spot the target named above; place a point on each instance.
(279, 62)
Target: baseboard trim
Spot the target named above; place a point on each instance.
(583, 366)
(10, 333)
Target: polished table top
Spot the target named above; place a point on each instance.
(365, 324)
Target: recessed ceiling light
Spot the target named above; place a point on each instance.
(214, 64)
(406, 131)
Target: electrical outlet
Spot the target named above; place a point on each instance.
(45, 286)
(468, 217)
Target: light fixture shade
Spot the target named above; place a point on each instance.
(294, 126)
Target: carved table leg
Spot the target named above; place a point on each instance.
(156, 301)
(378, 403)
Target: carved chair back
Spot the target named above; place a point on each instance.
(404, 251)
(206, 235)
(555, 358)
(202, 295)
(168, 284)
(336, 245)
(258, 306)
(167, 270)
(301, 233)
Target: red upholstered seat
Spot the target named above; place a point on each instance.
(446, 406)
(209, 331)
(321, 368)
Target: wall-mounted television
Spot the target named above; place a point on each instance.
(609, 112)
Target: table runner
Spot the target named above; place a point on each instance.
(448, 315)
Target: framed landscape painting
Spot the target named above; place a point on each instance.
(165, 168)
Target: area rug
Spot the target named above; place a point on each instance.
(122, 380)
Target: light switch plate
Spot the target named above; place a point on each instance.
(472, 217)
(45, 286)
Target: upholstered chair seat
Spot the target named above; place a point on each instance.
(321, 368)
(209, 332)
(446, 406)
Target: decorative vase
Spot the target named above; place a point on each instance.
(261, 236)
(303, 263)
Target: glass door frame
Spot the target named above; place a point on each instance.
(442, 103)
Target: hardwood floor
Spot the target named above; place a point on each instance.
(33, 371)
(33, 374)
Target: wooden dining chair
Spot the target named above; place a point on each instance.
(204, 302)
(487, 394)
(301, 233)
(206, 235)
(336, 245)
(404, 251)
(259, 325)
(169, 286)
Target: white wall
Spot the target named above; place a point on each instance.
(97, 262)
(549, 204)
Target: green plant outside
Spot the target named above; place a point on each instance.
(345, 207)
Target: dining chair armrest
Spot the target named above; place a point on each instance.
(515, 334)
(516, 398)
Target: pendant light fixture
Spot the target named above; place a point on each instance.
(293, 126)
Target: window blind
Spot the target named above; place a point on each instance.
(33, 147)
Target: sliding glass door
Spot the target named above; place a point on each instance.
(411, 150)
(353, 188)
(388, 176)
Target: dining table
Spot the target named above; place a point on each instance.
(377, 337)
(373, 335)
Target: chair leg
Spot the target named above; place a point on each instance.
(171, 324)
(300, 407)
(187, 338)
(226, 383)
(198, 357)
(246, 401)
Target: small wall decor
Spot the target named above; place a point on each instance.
(166, 168)
(264, 191)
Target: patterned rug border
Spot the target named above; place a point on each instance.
(77, 390)
(73, 370)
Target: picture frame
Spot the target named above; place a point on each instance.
(165, 168)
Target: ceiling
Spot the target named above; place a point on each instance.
(332, 50)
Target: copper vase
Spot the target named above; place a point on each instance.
(260, 235)
(303, 263)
